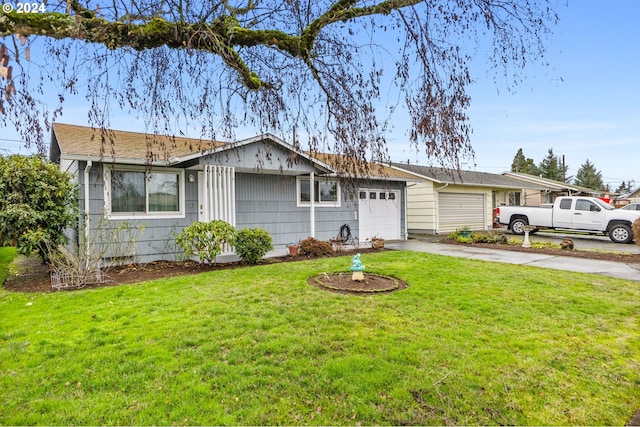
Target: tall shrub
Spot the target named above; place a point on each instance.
(636, 230)
(205, 239)
(252, 244)
(38, 202)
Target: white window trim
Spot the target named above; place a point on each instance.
(142, 215)
(318, 204)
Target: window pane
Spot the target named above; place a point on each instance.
(363, 194)
(305, 191)
(565, 203)
(163, 192)
(383, 196)
(127, 191)
(328, 191)
(392, 196)
(372, 195)
(585, 205)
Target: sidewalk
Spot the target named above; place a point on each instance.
(581, 265)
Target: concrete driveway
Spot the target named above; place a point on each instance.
(618, 270)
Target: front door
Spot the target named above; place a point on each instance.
(563, 213)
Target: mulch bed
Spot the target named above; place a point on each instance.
(342, 283)
(33, 276)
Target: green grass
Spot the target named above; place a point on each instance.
(468, 342)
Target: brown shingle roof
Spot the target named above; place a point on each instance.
(86, 142)
(463, 177)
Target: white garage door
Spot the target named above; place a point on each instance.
(456, 210)
(379, 214)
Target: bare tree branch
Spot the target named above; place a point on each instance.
(318, 67)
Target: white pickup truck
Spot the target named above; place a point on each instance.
(586, 214)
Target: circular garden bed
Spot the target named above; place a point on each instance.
(342, 283)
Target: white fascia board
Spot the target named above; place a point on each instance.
(119, 160)
(428, 178)
(541, 182)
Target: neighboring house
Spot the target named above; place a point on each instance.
(258, 182)
(445, 200)
(633, 197)
(550, 189)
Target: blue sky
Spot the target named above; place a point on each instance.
(584, 105)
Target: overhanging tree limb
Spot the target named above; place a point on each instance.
(220, 37)
(314, 66)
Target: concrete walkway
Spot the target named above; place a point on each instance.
(618, 270)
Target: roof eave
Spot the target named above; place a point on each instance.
(415, 174)
(544, 182)
(120, 160)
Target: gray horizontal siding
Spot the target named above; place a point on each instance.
(266, 201)
(155, 241)
(265, 156)
(270, 202)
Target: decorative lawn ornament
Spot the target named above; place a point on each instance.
(357, 268)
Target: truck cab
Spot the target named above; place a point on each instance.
(586, 214)
(580, 214)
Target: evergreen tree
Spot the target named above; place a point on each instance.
(589, 177)
(37, 203)
(551, 168)
(625, 187)
(523, 164)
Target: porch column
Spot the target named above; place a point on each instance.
(312, 206)
(87, 212)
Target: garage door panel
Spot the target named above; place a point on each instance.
(457, 210)
(379, 214)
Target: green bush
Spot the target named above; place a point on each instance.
(489, 237)
(252, 244)
(205, 239)
(315, 247)
(479, 237)
(37, 202)
(545, 245)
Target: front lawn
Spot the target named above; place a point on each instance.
(468, 342)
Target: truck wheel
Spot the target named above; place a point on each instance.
(517, 226)
(620, 233)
